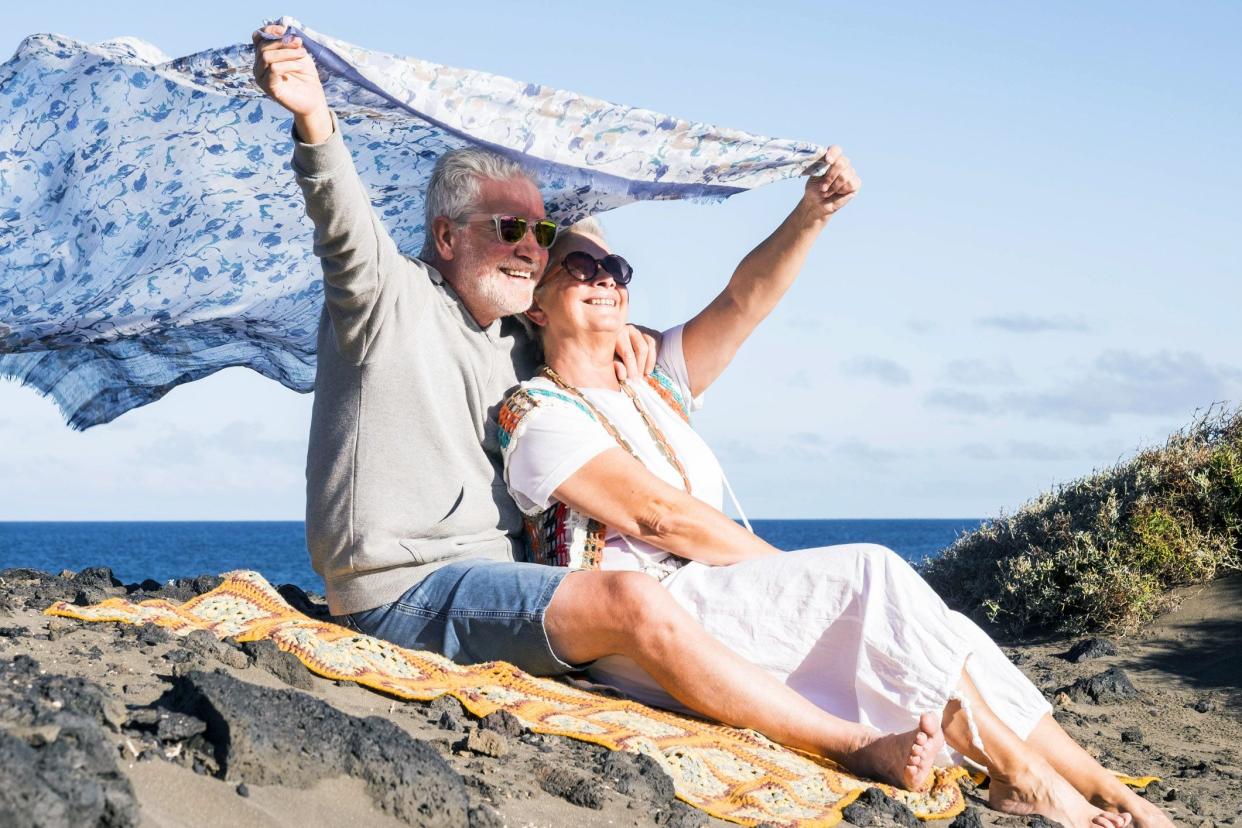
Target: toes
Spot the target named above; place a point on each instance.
(920, 738)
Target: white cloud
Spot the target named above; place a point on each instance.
(880, 369)
(1023, 323)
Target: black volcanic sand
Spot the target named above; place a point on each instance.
(116, 725)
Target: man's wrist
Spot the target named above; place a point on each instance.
(314, 128)
(809, 217)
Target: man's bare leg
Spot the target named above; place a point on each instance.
(1022, 780)
(1092, 780)
(597, 614)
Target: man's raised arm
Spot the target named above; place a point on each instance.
(350, 241)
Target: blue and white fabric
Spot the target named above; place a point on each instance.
(151, 232)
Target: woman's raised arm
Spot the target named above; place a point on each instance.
(712, 337)
(618, 491)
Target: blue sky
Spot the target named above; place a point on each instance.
(1042, 273)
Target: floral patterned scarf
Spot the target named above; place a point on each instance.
(151, 232)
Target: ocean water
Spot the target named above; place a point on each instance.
(172, 549)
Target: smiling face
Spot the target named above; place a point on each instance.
(493, 278)
(567, 307)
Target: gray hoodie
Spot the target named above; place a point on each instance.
(403, 470)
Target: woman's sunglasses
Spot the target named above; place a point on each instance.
(585, 268)
(512, 229)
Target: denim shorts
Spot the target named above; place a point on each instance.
(474, 610)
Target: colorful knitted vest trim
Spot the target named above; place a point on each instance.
(559, 535)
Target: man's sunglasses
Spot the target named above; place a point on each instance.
(585, 268)
(512, 229)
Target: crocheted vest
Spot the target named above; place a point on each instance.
(559, 535)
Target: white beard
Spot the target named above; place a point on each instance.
(504, 295)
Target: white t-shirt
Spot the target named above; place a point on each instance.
(557, 440)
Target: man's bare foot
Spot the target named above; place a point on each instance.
(902, 759)
(1041, 790)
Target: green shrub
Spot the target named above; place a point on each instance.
(1101, 553)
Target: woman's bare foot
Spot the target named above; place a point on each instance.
(902, 759)
(1144, 813)
(1041, 790)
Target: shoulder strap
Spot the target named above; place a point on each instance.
(663, 385)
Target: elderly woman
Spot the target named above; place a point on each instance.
(612, 476)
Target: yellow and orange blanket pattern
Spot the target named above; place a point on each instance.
(736, 775)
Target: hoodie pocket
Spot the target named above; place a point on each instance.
(430, 550)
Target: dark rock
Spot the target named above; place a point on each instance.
(89, 596)
(1192, 770)
(446, 704)
(1155, 792)
(177, 592)
(1090, 648)
(148, 635)
(1205, 705)
(571, 785)
(203, 584)
(178, 656)
(282, 737)
(1132, 735)
(36, 590)
(284, 666)
(481, 816)
(13, 632)
(537, 741)
(448, 713)
(1112, 685)
(99, 577)
(144, 718)
(176, 727)
(637, 776)
(64, 771)
(301, 601)
(874, 807)
(504, 723)
(968, 818)
(205, 644)
(150, 585)
(243, 789)
(681, 815)
(1037, 821)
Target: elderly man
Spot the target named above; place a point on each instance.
(408, 520)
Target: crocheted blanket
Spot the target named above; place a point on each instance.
(736, 775)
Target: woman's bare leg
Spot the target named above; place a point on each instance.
(1092, 779)
(1022, 780)
(596, 614)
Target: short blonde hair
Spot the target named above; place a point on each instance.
(589, 226)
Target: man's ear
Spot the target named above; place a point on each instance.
(535, 314)
(444, 235)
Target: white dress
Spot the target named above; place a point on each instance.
(853, 628)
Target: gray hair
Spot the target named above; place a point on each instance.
(455, 183)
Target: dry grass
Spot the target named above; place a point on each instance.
(1102, 552)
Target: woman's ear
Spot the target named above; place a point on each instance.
(535, 313)
(443, 234)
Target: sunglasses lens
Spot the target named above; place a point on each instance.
(511, 229)
(618, 268)
(545, 233)
(581, 266)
